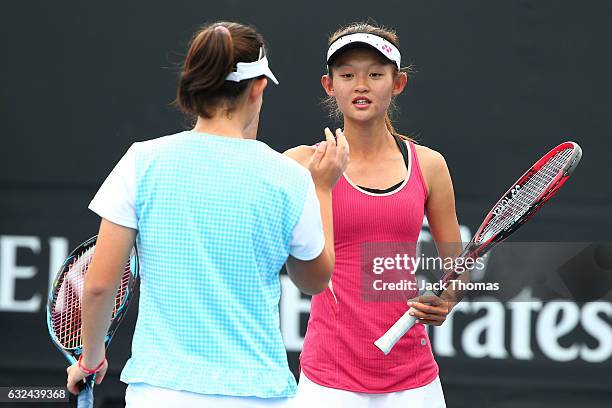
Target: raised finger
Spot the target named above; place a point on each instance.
(331, 142)
(342, 153)
(341, 139)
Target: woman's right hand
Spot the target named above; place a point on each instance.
(329, 160)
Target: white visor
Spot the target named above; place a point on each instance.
(383, 46)
(248, 70)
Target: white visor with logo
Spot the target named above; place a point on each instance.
(386, 48)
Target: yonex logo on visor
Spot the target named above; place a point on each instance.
(385, 47)
(248, 70)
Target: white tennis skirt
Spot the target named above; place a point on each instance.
(141, 395)
(310, 394)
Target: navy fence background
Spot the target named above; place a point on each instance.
(498, 84)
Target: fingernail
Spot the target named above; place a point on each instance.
(409, 304)
(411, 313)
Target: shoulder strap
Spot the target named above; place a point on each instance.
(403, 148)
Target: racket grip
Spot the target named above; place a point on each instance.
(401, 326)
(85, 399)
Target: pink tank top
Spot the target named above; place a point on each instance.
(339, 349)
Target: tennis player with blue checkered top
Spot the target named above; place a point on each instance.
(215, 214)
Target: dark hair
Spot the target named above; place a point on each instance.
(380, 31)
(213, 53)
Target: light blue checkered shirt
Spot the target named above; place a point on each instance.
(215, 218)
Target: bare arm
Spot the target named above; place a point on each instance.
(440, 206)
(444, 227)
(326, 163)
(103, 276)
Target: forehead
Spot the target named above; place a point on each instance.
(360, 56)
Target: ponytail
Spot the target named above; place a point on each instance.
(392, 130)
(212, 55)
(389, 124)
(212, 61)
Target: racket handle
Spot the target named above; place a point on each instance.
(85, 399)
(401, 326)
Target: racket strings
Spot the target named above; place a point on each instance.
(525, 197)
(123, 289)
(66, 308)
(540, 180)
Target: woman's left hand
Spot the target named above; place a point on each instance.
(76, 375)
(429, 309)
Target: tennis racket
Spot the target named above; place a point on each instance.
(64, 307)
(514, 208)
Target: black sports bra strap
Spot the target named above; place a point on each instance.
(403, 148)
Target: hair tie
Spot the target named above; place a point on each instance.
(224, 30)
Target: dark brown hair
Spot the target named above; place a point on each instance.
(380, 31)
(212, 55)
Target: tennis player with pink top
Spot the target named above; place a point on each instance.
(387, 188)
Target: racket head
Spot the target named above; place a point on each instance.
(64, 303)
(527, 195)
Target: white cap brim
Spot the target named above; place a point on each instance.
(248, 70)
